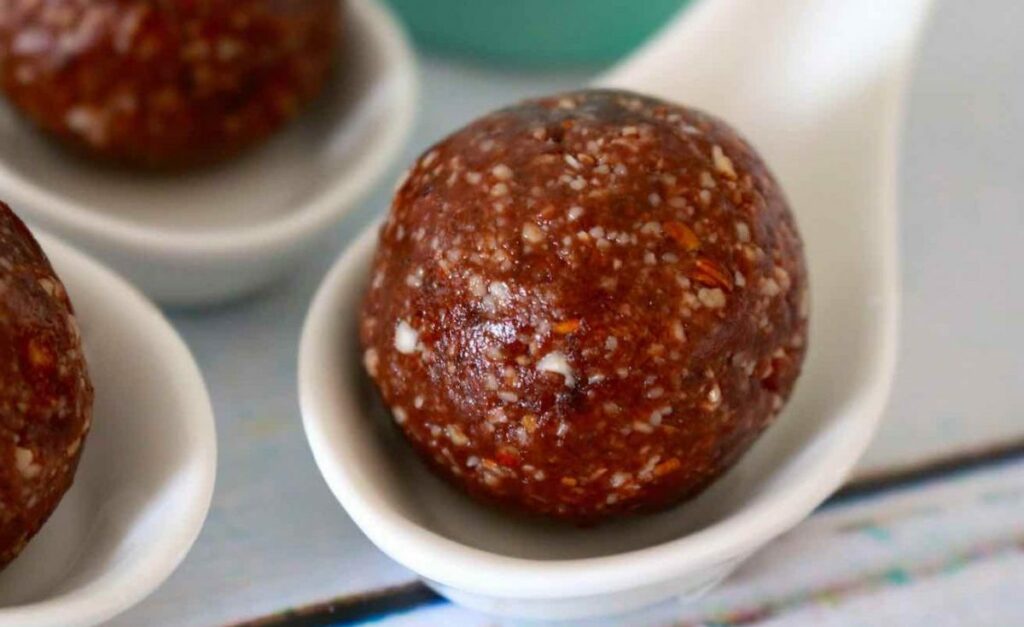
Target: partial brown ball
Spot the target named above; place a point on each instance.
(165, 84)
(587, 304)
(45, 392)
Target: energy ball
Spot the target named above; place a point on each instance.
(587, 305)
(45, 393)
(166, 84)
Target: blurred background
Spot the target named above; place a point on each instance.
(534, 34)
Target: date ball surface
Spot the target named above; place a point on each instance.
(167, 83)
(586, 305)
(45, 393)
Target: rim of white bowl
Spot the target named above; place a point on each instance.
(391, 45)
(459, 566)
(109, 595)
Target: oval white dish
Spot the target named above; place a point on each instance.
(211, 235)
(817, 86)
(146, 477)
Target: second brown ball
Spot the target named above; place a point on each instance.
(46, 395)
(165, 84)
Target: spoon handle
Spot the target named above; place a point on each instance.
(719, 50)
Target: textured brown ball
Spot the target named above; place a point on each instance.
(587, 304)
(45, 392)
(166, 83)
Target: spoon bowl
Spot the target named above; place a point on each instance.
(213, 234)
(145, 479)
(817, 86)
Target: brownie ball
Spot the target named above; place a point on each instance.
(587, 304)
(45, 393)
(164, 83)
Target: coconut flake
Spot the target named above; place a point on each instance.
(406, 338)
(556, 362)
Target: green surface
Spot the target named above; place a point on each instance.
(534, 32)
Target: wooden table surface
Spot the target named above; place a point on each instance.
(932, 532)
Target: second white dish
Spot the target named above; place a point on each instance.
(215, 234)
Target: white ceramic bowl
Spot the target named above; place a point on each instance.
(215, 234)
(489, 561)
(821, 96)
(147, 471)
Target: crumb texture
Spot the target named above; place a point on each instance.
(587, 304)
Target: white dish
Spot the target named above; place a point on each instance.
(215, 234)
(817, 86)
(146, 476)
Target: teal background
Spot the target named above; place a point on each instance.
(534, 32)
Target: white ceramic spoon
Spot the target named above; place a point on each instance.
(214, 234)
(146, 477)
(817, 86)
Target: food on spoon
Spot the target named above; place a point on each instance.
(166, 84)
(587, 304)
(45, 393)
